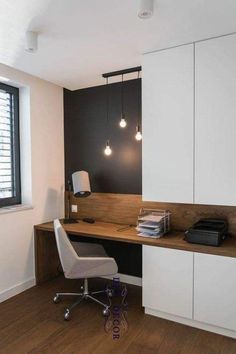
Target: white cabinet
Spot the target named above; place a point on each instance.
(189, 123)
(215, 290)
(167, 101)
(191, 288)
(215, 121)
(168, 280)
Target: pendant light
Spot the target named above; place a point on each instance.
(107, 150)
(138, 135)
(123, 122)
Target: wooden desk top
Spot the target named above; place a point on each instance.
(109, 231)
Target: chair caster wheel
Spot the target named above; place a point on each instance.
(110, 293)
(67, 315)
(106, 311)
(56, 299)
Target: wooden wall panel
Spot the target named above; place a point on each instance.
(124, 209)
(47, 262)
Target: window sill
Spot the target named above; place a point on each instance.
(15, 208)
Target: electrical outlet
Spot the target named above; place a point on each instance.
(74, 208)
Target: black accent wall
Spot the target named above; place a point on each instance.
(85, 141)
(86, 134)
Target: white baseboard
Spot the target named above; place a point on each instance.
(129, 279)
(6, 294)
(191, 323)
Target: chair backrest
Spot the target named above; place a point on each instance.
(67, 254)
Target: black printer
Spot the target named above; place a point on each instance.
(209, 232)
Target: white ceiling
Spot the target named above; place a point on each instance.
(81, 39)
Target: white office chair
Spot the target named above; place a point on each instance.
(82, 261)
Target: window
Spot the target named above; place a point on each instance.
(10, 192)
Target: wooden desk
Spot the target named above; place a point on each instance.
(46, 256)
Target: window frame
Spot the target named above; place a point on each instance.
(15, 148)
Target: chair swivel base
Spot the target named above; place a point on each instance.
(85, 295)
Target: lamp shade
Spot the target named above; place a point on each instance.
(81, 184)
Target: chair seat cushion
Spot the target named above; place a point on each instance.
(85, 249)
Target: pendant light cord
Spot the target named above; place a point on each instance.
(122, 97)
(139, 104)
(107, 107)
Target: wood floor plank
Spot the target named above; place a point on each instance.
(32, 338)
(30, 323)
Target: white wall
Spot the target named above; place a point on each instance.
(46, 139)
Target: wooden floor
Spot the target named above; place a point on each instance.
(31, 323)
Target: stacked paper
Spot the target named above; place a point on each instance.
(151, 226)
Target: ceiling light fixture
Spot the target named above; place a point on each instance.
(138, 135)
(145, 9)
(123, 122)
(31, 42)
(107, 150)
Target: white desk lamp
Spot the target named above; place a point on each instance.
(81, 189)
(81, 184)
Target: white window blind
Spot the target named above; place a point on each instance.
(6, 185)
(9, 146)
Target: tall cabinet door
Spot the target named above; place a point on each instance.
(215, 290)
(167, 88)
(168, 280)
(215, 121)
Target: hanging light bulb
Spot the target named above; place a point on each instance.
(107, 150)
(138, 135)
(123, 122)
